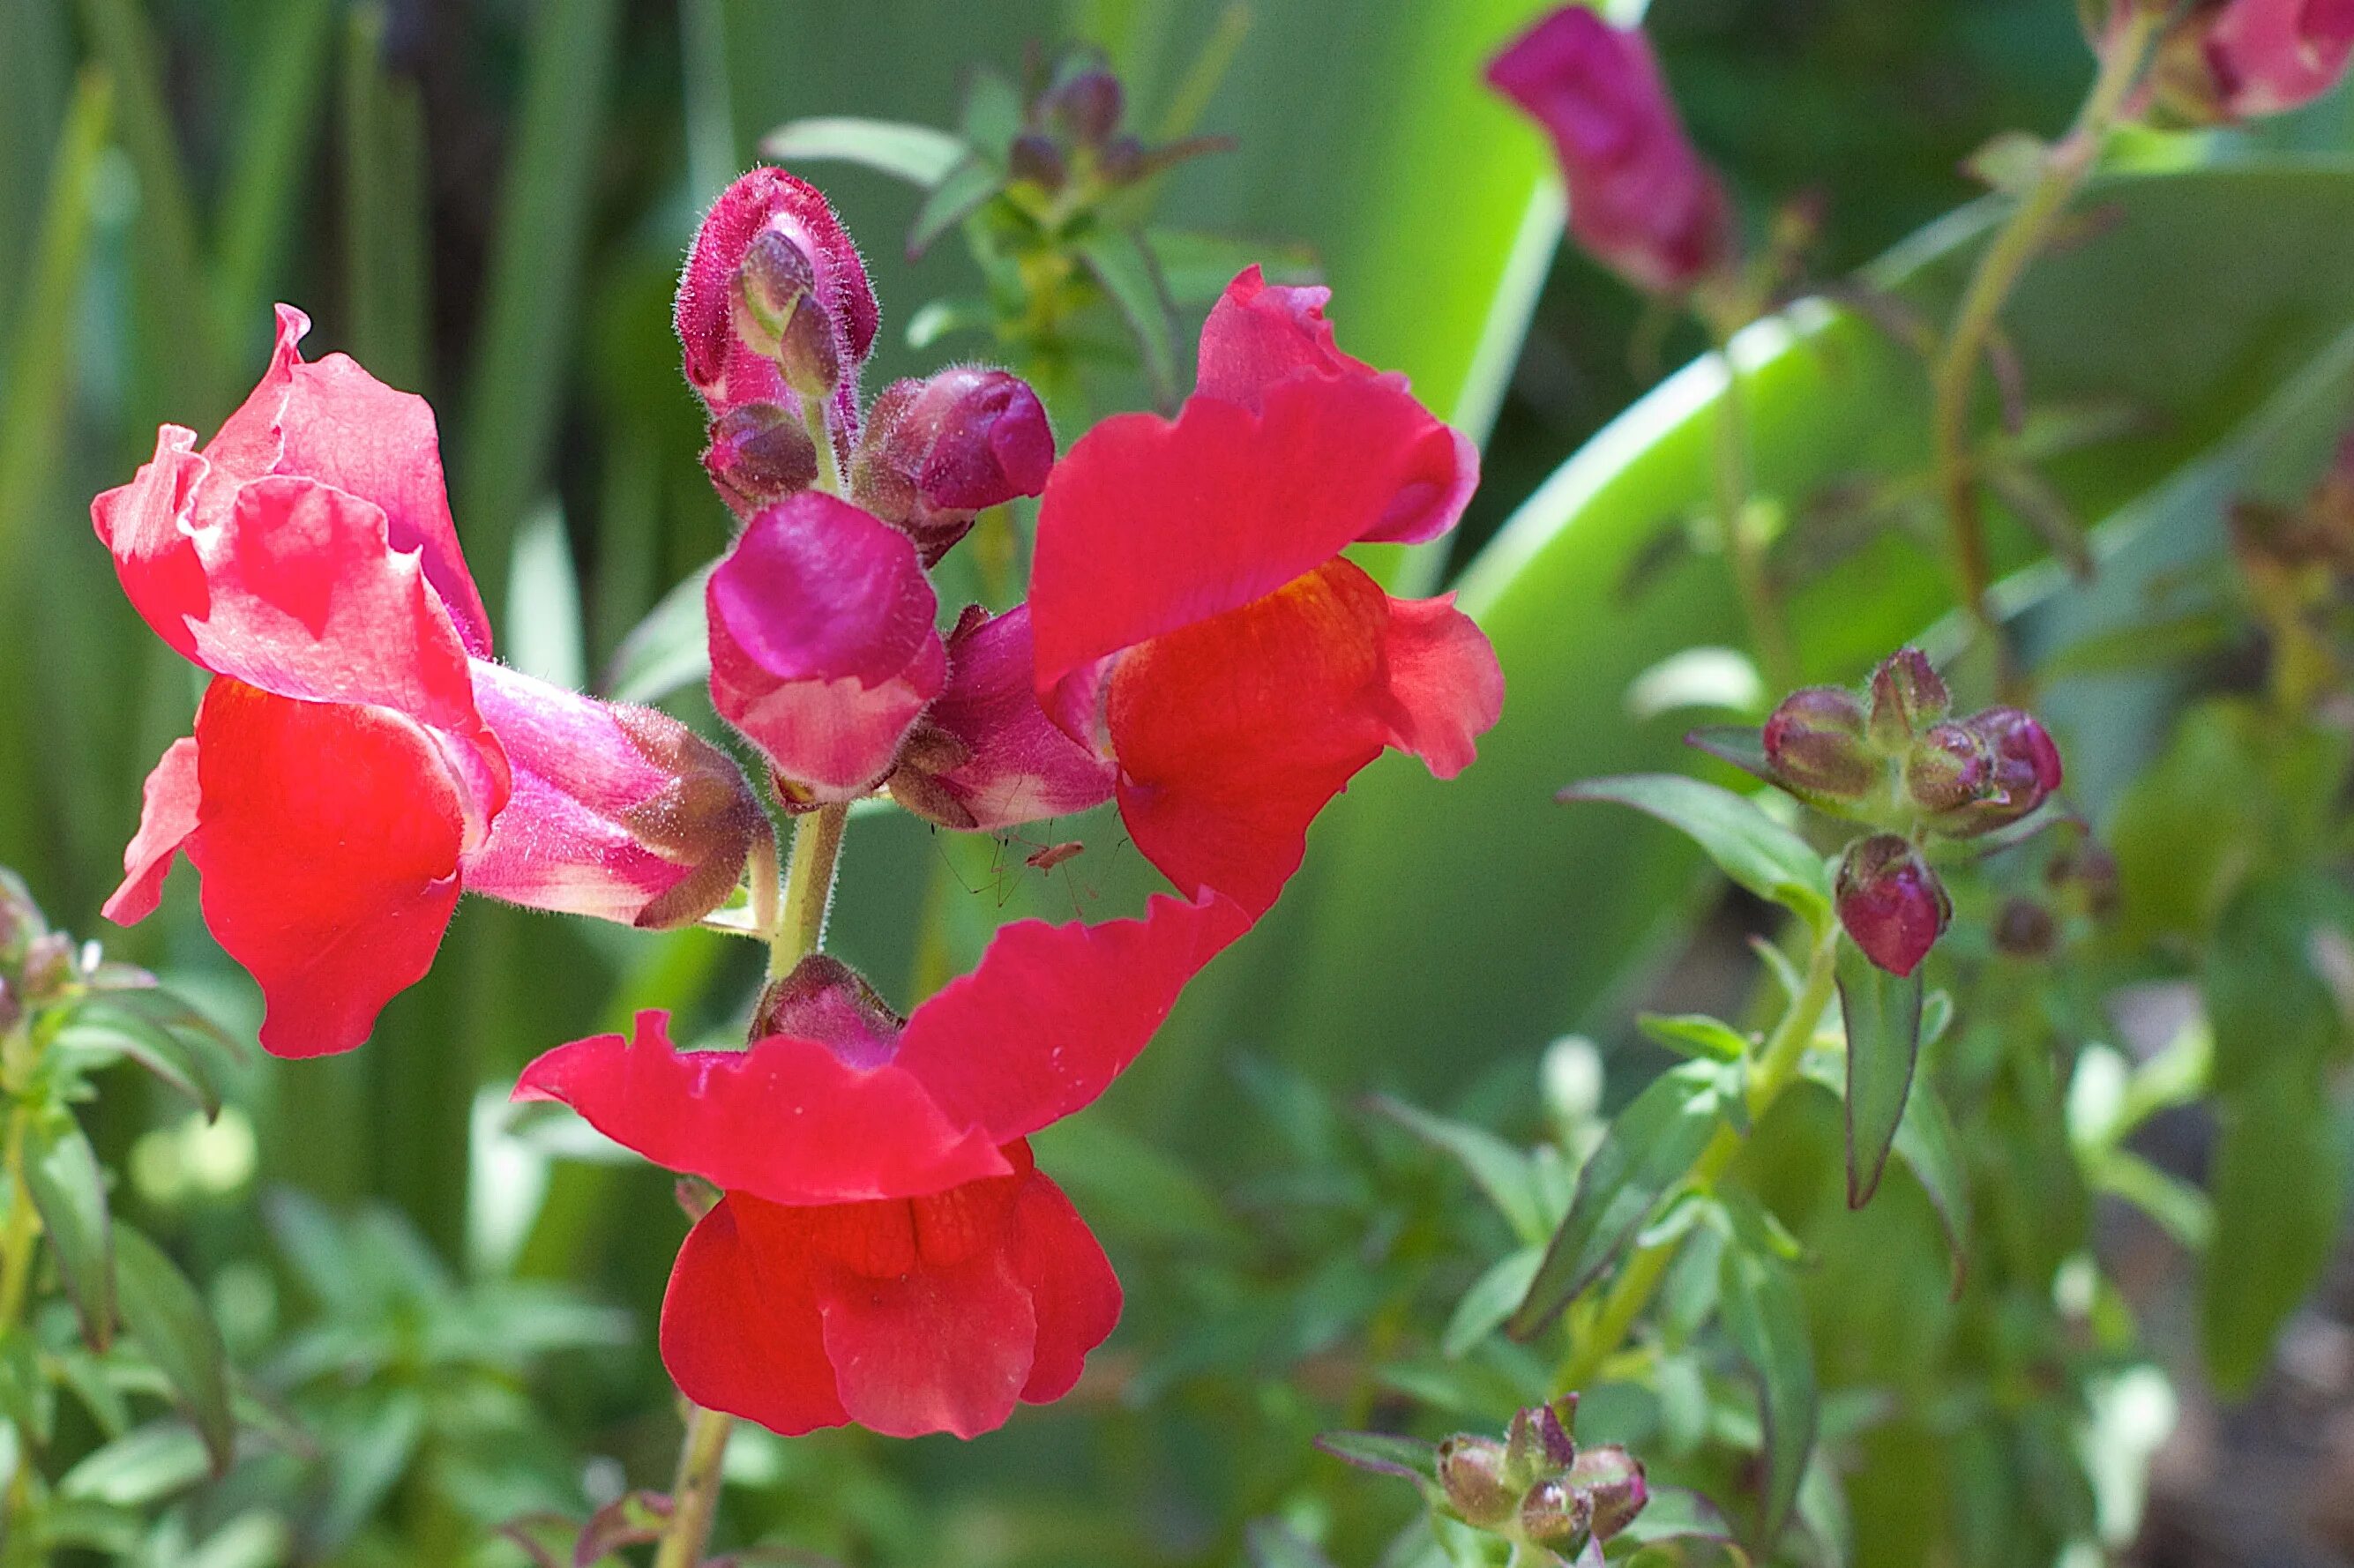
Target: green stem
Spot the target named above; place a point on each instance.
(808, 886)
(1734, 485)
(23, 1231)
(2000, 266)
(1776, 1066)
(695, 1494)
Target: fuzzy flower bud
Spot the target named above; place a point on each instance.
(2237, 59)
(1816, 744)
(760, 453)
(2016, 768)
(1907, 696)
(1891, 902)
(939, 452)
(1472, 1472)
(1613, 1479)
(1557, 1518)
(1947, 767)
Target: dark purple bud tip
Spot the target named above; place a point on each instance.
(1814, 744)
(1552, 1434)
(1891, 902)
(1471, 1472)
(1084, 106)
(1907, 696)
(2024, 930)
(1037, 159)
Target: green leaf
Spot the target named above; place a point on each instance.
(960, 193)
(667, 651)
(1765, 1318)
(992, 113)
(1119, 261)
(1882, 1014)
(1648, 1149)
(1748, 845)
(2268, 1006)
(1491, 1300)
(275, 135)
(163, 1313)
(1694, 1034)
(68, 1189)
(1925, 1142)
(1383, 1454)
(139, 1468)
(919, 154)
(2279, 1183)
(1506, 1174)
(100, 1032)
(385, 266)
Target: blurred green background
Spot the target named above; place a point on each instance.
(487, 202)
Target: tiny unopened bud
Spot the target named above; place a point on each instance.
(1553, 1432)
(2024, 930)
(1907, 696)
(1612, 1480)
(778, 313)
(1891, 902)
(48, 970)
(1471, 1472)
(937, 452)
(1815, 742)
(1122, 160)
(760, 453)
(1084, 106)
(2086, 874)
(2022, 770)
(1947, 767)
(1037, 159)
(1557, 1518)
(826, 1001)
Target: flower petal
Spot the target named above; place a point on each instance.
(1072, 1292)
(328, 838)
(1258, 332)
(1017, 766)
(785, 1119)
(167, 815)
(823, 650)
(743, 1339)
(1052, 1014)
(619, 812)
(154, 557)
(1448, 687)
(1149, 525)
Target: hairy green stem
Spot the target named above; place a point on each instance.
(808, 886)
(695, 1494)
(1954, 379)
(1600, 1336)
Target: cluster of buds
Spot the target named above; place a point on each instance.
(35, 963)
(1896, 759)
(2221, 61)
(1071, 143)
(1537, 1489)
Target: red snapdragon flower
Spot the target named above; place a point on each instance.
(1641, 199)
(358, 759)
(887, 1252)
(1196, 626)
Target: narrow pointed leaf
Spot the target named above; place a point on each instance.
(1648, 1149)
(1765, 1318)
(667, 651)
(1882, 1012)
(1119, 261)
(1491, 1300)
(1504, 1173)
(99, 1032)
(163, 1313)
(957, 197)
(919, 154)
(68, 1189)
(1748, 845)
(1383, 1454)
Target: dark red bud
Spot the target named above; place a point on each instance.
(1035, 158)
(1815, 745)
(1948, 767)
(760, 453)
(1907, 696)
(2024, 930)
(1084, 106)
(2021, 770)
(1556, 1518)
(1891, 902)
(826, 1001)
(1471, 1472)
(1612, 1478)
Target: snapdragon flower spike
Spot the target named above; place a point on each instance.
(1641, 200)
(1195, 625)
(986, 757)
(767, 235)
(887, 1251)
(823, 651)
(358, 758)
(938, 452)
(1891, 902)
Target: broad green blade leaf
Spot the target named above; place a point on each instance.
(957, 196)
(1525, 915)
(1507, 1175)
(1766, 1320)
(2280, 1188)
(1119, 261)
(1491, 1300)
(1748, 845)
(1650, 1148)
(1381, 1454)
(667, 651)
(2268, 1006)
(1882, 1014)
(163, 1313)
(102, 1032)
(1198, 267)
(62, 1173)
(919, 154)
(1690, 1034)
(1926, 1143)
(139, 1468)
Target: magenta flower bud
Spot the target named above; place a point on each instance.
(760, 453)
(2021, 769)
(1471, 1470)
(2264, 57)
(737, 280)
(1891, 902)
(1084, 107)
(986, 757)
(619, 812)
(1556, 1517)
(1907, 696)
(1037, 159)
(1641, 201)
(823, 651)
(1612, 1480)
(1815, 742)
(939, 450)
